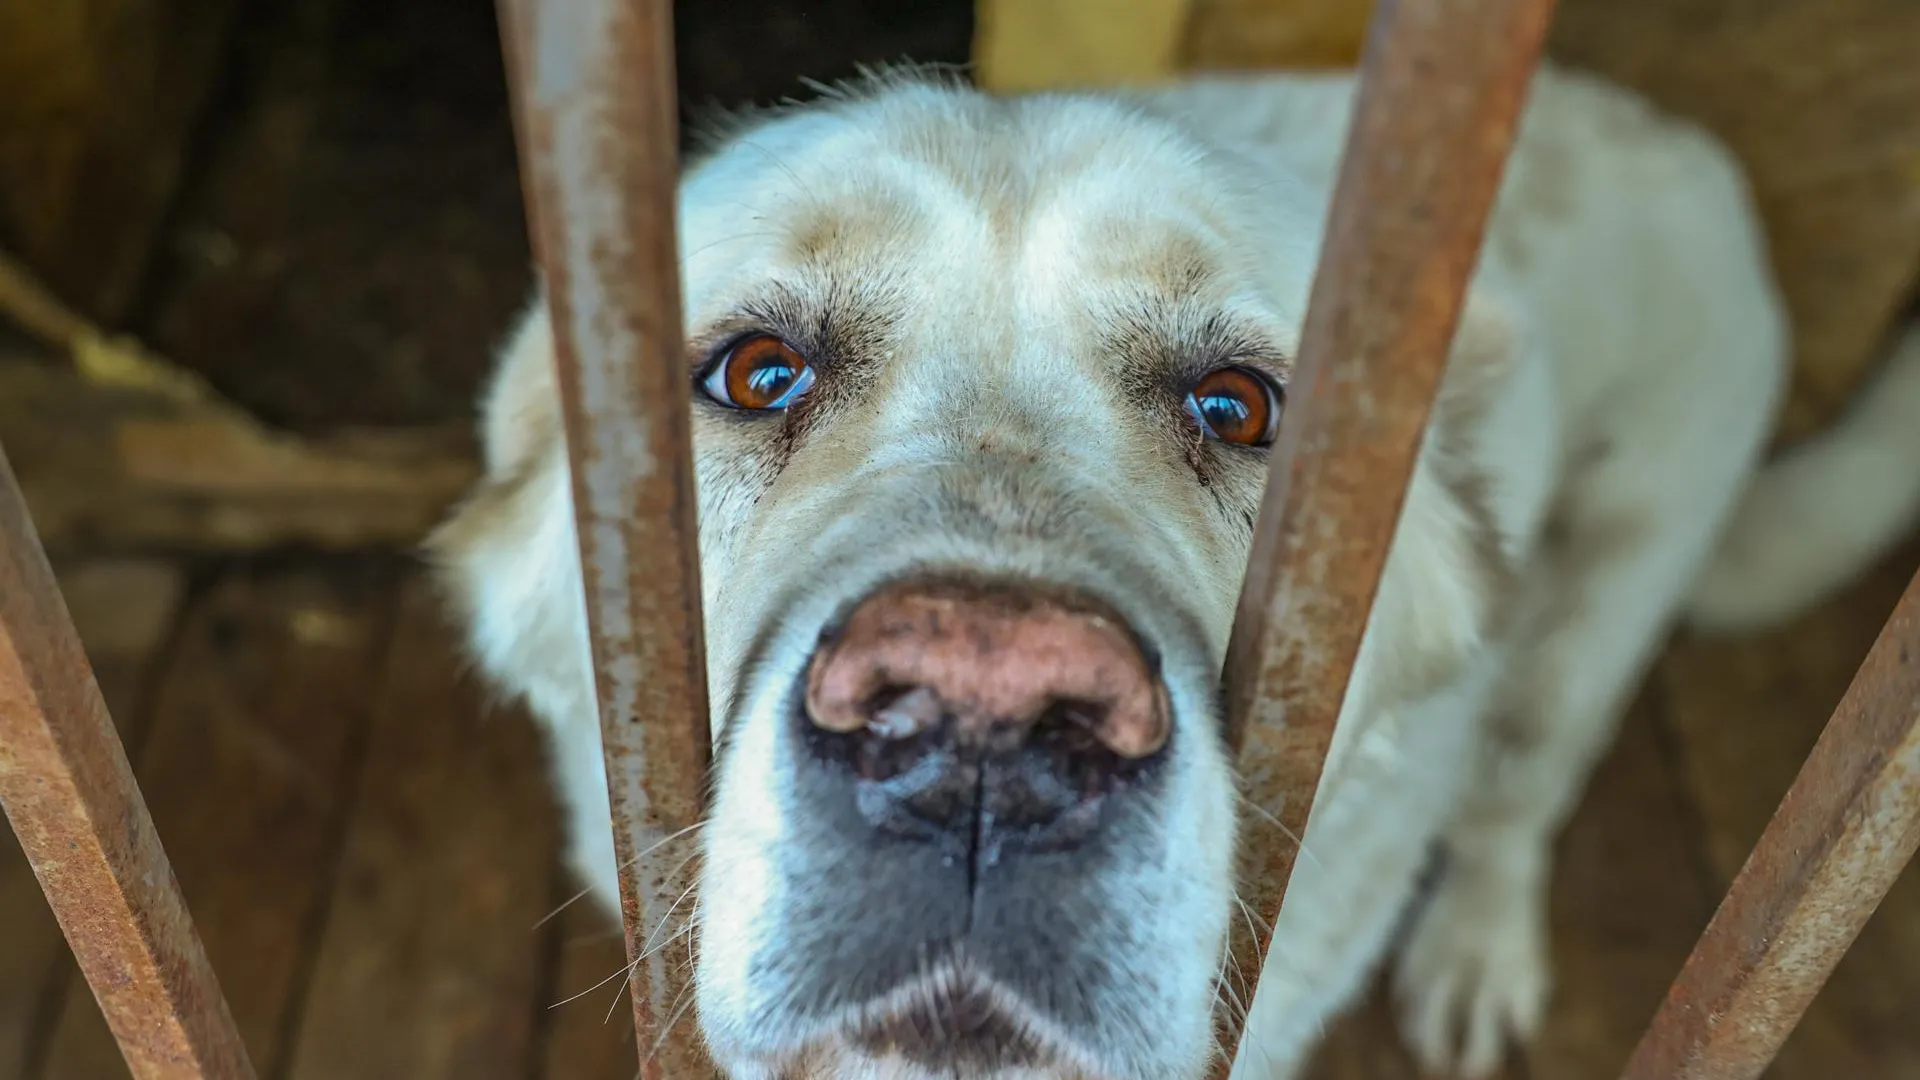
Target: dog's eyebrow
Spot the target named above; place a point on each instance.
(1177, 341)
(841, 328)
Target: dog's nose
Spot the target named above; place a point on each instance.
(992, 662)
(965, 703)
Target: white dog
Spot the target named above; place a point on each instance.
(983, 395)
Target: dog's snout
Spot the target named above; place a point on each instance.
(982, 711)
(993, 663)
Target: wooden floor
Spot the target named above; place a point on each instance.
(369, 847)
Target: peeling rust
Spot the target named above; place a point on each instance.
(1442, 83)
(594, 111)
(72, 801)
(1847, 826)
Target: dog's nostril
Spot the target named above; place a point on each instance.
(915, 712)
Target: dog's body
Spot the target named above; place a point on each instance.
(1000, 305)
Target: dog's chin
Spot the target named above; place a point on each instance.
(956, 1022)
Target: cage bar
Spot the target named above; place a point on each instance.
(1838, 841)
(70, 796)
(1441, 87)
(595, 115)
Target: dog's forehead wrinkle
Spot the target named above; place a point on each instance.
(1052, 172)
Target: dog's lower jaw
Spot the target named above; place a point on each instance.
(753, 1037)
(954, 1022)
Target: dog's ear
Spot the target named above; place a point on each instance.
(520, 414)
(1450, 573)
(506, 556)
(519, 429)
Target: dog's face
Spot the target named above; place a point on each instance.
(969, 582)
(983, 392)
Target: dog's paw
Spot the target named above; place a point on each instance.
(1473, 976)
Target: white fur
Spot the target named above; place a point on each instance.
(1824, 510)
(1615, 376)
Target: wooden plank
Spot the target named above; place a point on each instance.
(258, 722)
(1227, 34)
(117, 467)
(1631, 891)
(116, 447)
(595, 114)
(98, 103)
(1440, 94)
(430, 965)
(1023, 45)
(1366, 1045)
(124, 611)
(1746, 713)
(70, 797)
(1838, 841)
(1629, 897)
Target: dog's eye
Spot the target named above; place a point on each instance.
(759, 372)
(1236, 405)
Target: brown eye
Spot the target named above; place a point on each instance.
(759, 373)
(1236, 405)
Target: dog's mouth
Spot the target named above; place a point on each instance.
(959, 1021)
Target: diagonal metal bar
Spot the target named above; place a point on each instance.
(1848, 825)
(71, 798)
(594, 109)
(1442, 84)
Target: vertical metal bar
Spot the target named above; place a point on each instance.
(1442, 83)
(71, 798)
(1847, 826)
(594, 101)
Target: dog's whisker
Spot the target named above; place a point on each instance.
(655, 942)
(564, 905)
(655, 846)
(1285, 830)
(624, 971)
(779, 164)
(758, 234)
(1276, 949)
(647, 949)
(615, 1005)
(1225, 994)
(679, 1013)
(685, 929)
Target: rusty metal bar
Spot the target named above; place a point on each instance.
(1442, 83)
(71, 799)
(595, 113)
(1847, 826)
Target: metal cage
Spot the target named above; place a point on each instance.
(1442, 84)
